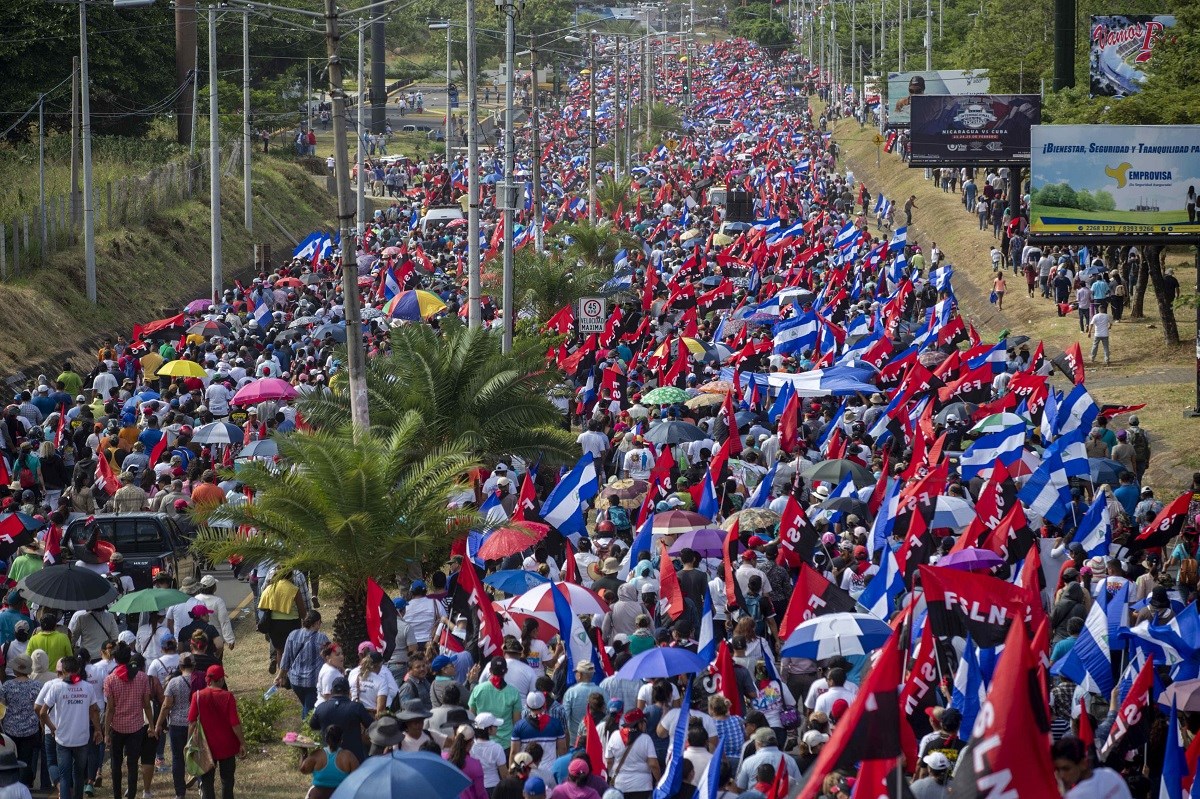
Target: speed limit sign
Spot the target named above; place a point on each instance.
(592, 314)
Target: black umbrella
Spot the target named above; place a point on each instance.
(68, 587)
(961, 410)
(847, 505)
(675, 433)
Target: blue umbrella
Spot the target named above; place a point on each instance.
(31, 524)
(696, 242)
(836, 634)
(662, 662)
(1105, 470)
(403, 774)
(515, 581)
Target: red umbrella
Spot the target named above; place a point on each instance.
(674, 522)
(517, 537)
(455, 223)
(290, 282)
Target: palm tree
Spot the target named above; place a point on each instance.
(463, 390)
(595, 245)
(544, 282)
(612, 194)
(347, 510)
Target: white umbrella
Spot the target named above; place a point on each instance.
(953, 512)
(836, 634)
(218, 433)
(538, 600)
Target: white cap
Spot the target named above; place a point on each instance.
(127, 637)
(937, 761)
(535, 700)
(485, 720)
(814, 738)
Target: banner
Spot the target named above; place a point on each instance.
(903, 86)
(1115, 179)
(1120, 48)
(964, 130)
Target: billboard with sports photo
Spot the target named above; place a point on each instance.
(902, 86)
(1120, 47)
(1115, 179)
(964, 130)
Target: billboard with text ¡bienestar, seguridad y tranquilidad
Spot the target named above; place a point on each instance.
(1121, 45)
(903, 85)
(966, 130)
(1089, 179)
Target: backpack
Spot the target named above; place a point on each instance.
(619, 518)
(752, 608)
(26, 476)
(1140, 444)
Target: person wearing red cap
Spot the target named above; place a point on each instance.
(214, 710)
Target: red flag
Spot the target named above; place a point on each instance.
(1086, 734)
(525, 498)
(960, 602)
(5, 476)
(159, 448)
(593, 746)
(104, 474)
(731, 586)
(570, 570)
(490, 636)
(598, 642)
(668, 583)
(648, 288)
(920, 691)
(62, 426)
(1009, 751)
(561, 322)
(797, 536)
(871, 728)
(881, 486)
(789, 424)
(813, 596)
(726, 678)
(447, 640)
(1166, 525)
(1073, 356)
(1134, 715)
(734, 440)
(378, 617)
(779, 785)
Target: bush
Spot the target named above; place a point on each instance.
(260, 719)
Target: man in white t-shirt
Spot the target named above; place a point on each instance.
(638, 461)
(837, 690)
(422, 614)
(1098, 329)
(70, 711)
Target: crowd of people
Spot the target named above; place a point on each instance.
(785, 423)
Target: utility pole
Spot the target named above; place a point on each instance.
(76, 197)
(474, 316)
(900, 37)
(592, 127)
(89, 198)
(185, 67)
(510, 10)
(928, 36)
(45, 238)
(360, 191)
(448, 104)
(616, 129)
(214, 159)
(355, 357)
(537, 145)
(308, 98)
(378, 73)
(247, 146)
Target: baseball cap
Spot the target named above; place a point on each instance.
(535, 786)
(127, 638)
(937, 761)
(440, 662)
(535, 700)
(578, 768)
(200, 610)
(485, 720)
(165, 639)
(814, 738)
(633, 718)
(616, 705)
(215, 672)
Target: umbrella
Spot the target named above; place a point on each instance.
(674, 522)
(705, 401)
(149, 600)
(371, 313)
(268, 388)
(290, 282)
(1015, 341)
(304, 321)
(662, 661)
(716, 387)
(455, 223)
(689, 234)
(512, 620)
(388, 252)
(709, 542)
(835, 471)
(695, 347)
(263, 448)
(744, 418)
(627, 488)
(182, 368)
(752, 519)
(847, 505)
(365, 262)
(721, 240)
(197, 306)
(337, 331)
(539, 600)
(414, 305)
(836, 635)
(31, 524)
(971, 559)
(952, 512)
(737, 227)
(515, 581)
(665, 395)
(516, 537)
(68, 587)
(962, 410)
(218, 433)
(998, 421)
(1105, 470)
(209, 329)
(1184, 694)
(675, 433)
(403, 775)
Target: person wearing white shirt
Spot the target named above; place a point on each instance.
(208, 598)
(493, 481)
(594, 442)
(217, 399)
(150, 636)
(165, 664)
(70, 711)
(367, 686)
(746, 569)
(694, 447)
(520, 675)
(638, 461)
(104, 382)
(422, 613)
(837, 690)
(331, 669)
(177, 615)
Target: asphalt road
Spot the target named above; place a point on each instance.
(234, 592)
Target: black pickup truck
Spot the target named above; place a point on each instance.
(151, 543)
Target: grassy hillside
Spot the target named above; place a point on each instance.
(144, 273)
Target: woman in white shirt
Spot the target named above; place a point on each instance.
(491, 755)
(367, 688)
(333, 667)
(631, 759)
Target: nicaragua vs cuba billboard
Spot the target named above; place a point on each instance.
(1115, 179)
(966, 130)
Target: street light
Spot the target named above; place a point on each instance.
(510, 9)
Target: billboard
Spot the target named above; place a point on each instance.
(962, 130)
(1115, 179)
(1120, 47)
(902, 86)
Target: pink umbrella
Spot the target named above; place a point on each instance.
(268, 388)
(971, 559)
(539, 600)
(197, 306)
